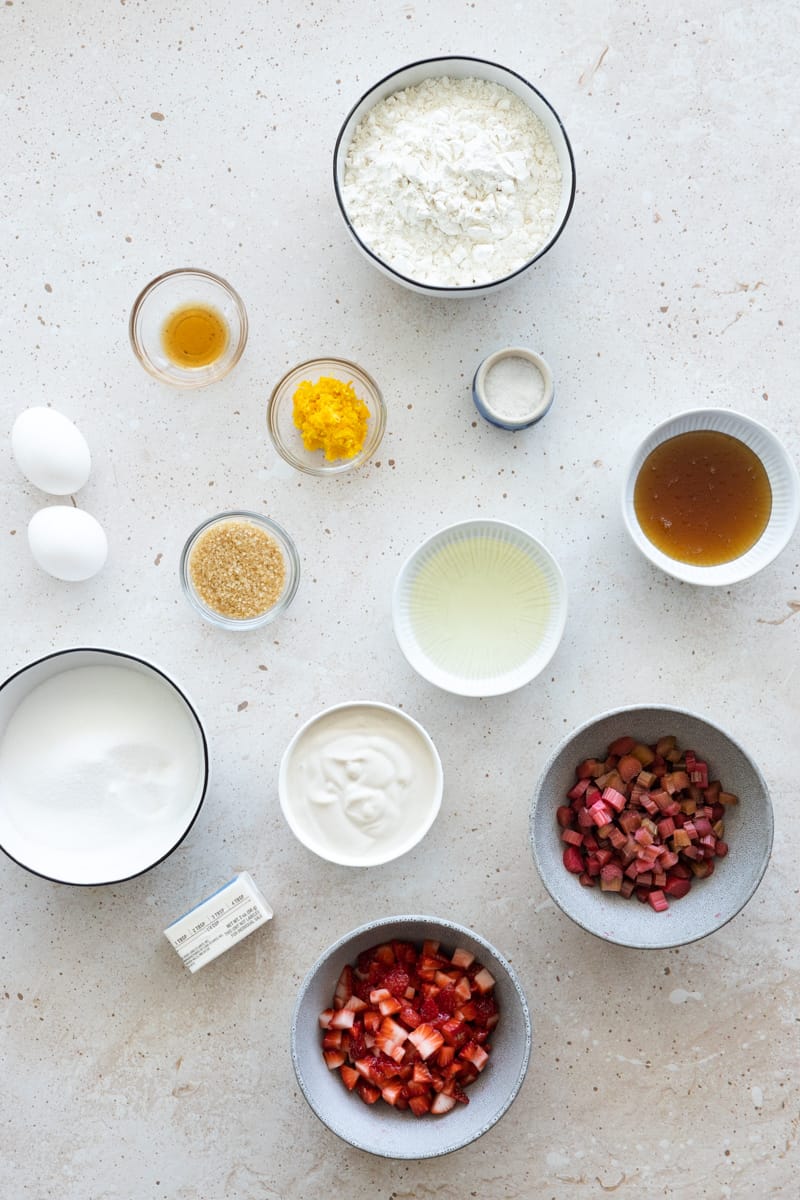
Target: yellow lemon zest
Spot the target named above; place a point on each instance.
(330, 417)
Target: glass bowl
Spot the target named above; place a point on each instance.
(286, 436)
(165, 297)
(288, 552)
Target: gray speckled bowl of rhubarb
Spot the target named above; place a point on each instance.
(712, 901)
(379, 1128)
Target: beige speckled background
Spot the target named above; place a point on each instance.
(139, 136)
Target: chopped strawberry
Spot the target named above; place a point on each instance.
(426, 1039)
(368, 1093)
(350, 1076)
(411, 1028)
(344, 988)
(420, 1105)
(475, 1054)
(391, 1092)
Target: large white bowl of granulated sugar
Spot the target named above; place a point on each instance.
(454, 176)
(103, 766)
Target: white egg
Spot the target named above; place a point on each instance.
(50, 451)
(67, 542)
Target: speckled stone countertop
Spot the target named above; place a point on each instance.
(137, 137)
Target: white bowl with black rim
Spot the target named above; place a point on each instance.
(103, 766)
(379, 1128)
(457, 67)
(783, 482)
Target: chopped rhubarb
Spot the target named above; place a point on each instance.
(409, 1027)
(644, 821)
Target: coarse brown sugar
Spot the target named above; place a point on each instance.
(237, 569)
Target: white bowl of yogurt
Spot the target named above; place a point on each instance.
(360, 783)
(103, 766)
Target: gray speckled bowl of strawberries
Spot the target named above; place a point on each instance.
(387, 1129)
(743, 839)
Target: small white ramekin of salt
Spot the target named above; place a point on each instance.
(513, 388)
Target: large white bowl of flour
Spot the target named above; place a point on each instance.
(454, 176)
(103, 766)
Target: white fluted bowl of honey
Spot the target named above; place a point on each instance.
(711, 497)
(188, 328)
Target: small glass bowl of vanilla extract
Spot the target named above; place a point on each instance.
(188, 328)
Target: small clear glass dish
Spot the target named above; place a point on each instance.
(291, 562)
(166, 296)
(286, 436)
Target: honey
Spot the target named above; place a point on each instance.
(703, 497)
(194, 336)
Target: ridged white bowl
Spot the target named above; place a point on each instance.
(783, 479)
(480, 672)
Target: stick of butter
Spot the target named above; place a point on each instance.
(216, 924)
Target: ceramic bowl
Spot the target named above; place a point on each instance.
(458, 67)
(479, 608)
(285, 435)
(534, 379)
(783, 479)
(168, 294)
(88, 804)
(712, 901)
(291, 562)
(360, 783)
(379, 1128)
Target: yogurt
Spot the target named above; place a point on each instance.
(360, 784)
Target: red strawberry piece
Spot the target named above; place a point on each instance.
(367, 1092)
(396, 981)
(426, 1039)
(455, 1032)
(442, 1104)
(409, 1016)
(344, 988)
(420, 1105)
(391, 1092)
(429, 1010)
(350, 1076)
(475, 1054)
(484, 981)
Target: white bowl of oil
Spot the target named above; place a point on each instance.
(479, 608)
(711, 497)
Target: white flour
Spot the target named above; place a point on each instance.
(453, 182)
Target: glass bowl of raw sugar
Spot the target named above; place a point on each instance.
(454, 176)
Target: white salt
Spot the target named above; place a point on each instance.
(514, 387)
